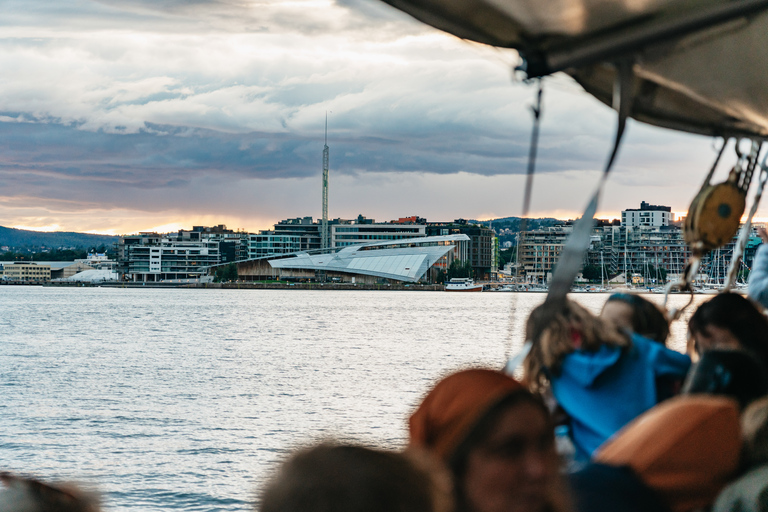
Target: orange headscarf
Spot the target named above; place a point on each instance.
(686, 449)
(454, 406)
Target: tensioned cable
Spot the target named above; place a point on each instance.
(572, 256)
(741, 243)
(576, 246)
(531, 170)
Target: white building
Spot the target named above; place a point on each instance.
(401, 260)
(152, 257)
(648, 215)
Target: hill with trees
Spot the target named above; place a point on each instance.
(22, 240)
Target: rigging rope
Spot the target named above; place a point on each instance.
(741, 243)
(576, 246)
(536, 111)
(572, 256)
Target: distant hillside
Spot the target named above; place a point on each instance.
(21, 238)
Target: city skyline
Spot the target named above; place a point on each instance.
(119, 117)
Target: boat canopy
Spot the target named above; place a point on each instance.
(700, 66)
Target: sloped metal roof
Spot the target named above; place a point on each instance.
(402, 260)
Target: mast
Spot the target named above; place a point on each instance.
(602, 269)
(324, 235)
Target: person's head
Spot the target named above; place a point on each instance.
(729, 321)
(754, 429)
(734, 373)
(636, 314)
(497, 439)
(349, 478)
(557, 328)
(20, 494)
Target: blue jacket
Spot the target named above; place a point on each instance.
(604, 390)
(758, 276)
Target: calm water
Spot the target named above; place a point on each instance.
(184, 399)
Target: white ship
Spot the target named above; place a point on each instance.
(462, 284)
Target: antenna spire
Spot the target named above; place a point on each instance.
(325, 239)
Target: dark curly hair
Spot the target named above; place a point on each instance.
(737, 314)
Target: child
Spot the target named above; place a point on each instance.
(601, 377)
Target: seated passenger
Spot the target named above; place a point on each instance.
(729, 321)
(750, 491)
(601, 377)
(684, 451)
(635, 314)
(497, 440)
(734, 373)
(348, 478)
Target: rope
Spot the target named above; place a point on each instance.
(576, 246)
(536, 110)
(741, 243)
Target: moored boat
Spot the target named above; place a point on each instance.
(463, 284)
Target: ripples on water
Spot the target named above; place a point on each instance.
(184, 399)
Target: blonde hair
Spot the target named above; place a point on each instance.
(754, 428)
(551, 328)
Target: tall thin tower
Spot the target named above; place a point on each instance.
(325, 239)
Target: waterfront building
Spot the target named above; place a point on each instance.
(348, 234)
(648, 215)
(624, 250)
(305, 228)
(153, 257)
(65, 269)
(478, 250)
(269, 243)
(98, 261)
(407, 259)
(26, 272)
(639, 250)
(539, 250)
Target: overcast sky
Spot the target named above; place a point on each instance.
(119, 116)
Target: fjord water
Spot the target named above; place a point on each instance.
(166, 399)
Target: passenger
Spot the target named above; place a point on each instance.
(30, 495)
(349, 478)
(734, 373)
(601, 377)
(604, 488)
(685, 450)
(758, 277)
(496, 438)
(635, 314)
(729, 321)
(750, 491)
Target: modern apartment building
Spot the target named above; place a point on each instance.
(539, 250)
(153, 257)
(479, 250)
(307, 230)
(269, 243)
(648, 215)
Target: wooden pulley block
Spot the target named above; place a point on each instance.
(714, 215)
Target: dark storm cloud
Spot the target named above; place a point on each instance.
(143, 103)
